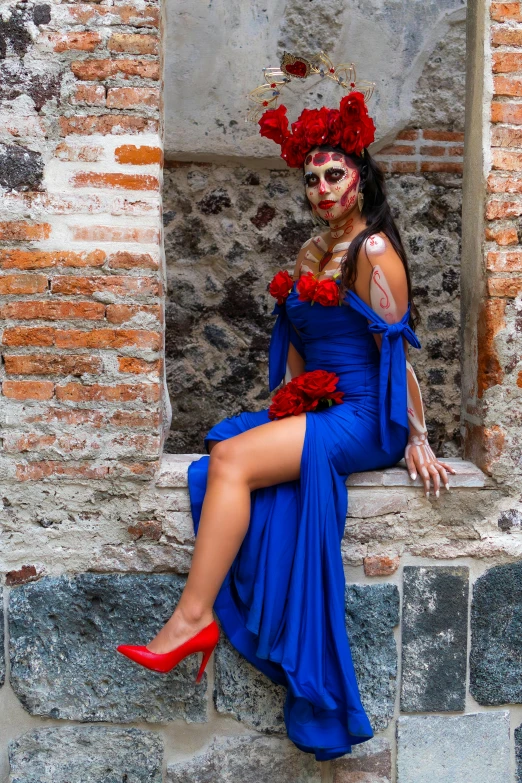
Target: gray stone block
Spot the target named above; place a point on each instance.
(434, 638)
(372, 611)
(63, 638)
(88, 754)
(246, 693)
(518, 754)
(369, 762)
(247, 760)
(496, 630)
(453, 749)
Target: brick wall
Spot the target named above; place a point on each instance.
(417, 150)
(491, 412)
(81, 268)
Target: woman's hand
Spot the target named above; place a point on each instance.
(421, 459)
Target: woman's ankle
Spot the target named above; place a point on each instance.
(194, 615)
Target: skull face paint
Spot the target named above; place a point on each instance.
(332, 183)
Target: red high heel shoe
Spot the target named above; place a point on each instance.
(204, 641)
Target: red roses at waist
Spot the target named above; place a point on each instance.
(309, 391)
(325, 291)
(280, 286)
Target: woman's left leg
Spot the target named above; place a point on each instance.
(260, 457)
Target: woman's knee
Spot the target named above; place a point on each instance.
(226, 461)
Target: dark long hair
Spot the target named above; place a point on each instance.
(377, 213)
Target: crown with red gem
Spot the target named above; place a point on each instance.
(349, 127)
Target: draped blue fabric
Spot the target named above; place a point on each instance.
(282, 603)
(393, 388)
(283, 334)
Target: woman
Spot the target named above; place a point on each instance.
(269, 504)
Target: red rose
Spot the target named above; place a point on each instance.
(317, 384)
(286, 402)
(334, 127)
(357, 127)
(327, 293)
(312, 127)
(274, 124)
(306, 286)
(280, 286)
(292, 152)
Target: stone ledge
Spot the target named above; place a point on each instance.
(173, 473)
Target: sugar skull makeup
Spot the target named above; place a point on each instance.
(332, 184)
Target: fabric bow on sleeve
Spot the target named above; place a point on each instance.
(283, 333)
(393, 391)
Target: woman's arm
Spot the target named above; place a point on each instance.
(388, 295)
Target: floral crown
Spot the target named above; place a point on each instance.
(349, 127)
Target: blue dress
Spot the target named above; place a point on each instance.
(282, 602)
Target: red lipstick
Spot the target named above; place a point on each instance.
(326, 204)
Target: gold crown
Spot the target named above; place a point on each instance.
(267, 95)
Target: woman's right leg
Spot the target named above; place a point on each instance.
(262, 456)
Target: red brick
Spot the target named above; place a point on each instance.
(35, 471)
(134, 419)
(438, 135)
(29, 335)
(503, 209)
(128, 97)
(122, 14)
(504, 262)
(506, 112)
(119, 314)
(506, 36)
(38, 259)
(114, 234)
(28, 390)
(507, 85)
(106, 124)
(84, 153)
(398, 149)
(52, 364)
(490, 323)
(502, 236)
(69, 416)
(125, 260)
(149, 528)
(29, 441)
(381, 565)
(409, 134)
(507, 161)
(23, 575)
(484, 445)
(519, 380)
(508, 287)
(82, 41)
(77, 392)
(450, 167)
(20, 231)
(498, 183)
(29, 310)
(505, 12)
(403, 167)
(108, 338)
(91, 179)
(143, 470)
(138, 366)
(120, 285)
(98, 70)
(502, 136)
(88, 95)
(22, 284)
(507, 62)
(139, 156)
(133, 43)
(433, 151)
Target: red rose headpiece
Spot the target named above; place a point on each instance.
(349, 127)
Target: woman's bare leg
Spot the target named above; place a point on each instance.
(265, 455)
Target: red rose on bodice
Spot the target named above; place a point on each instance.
(325, 291)
(280, 286)
(317, 384)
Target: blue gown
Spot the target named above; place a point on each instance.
(282, 602)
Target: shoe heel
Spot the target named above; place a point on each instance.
(206, 655)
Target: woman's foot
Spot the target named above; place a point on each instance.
(179, 629)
